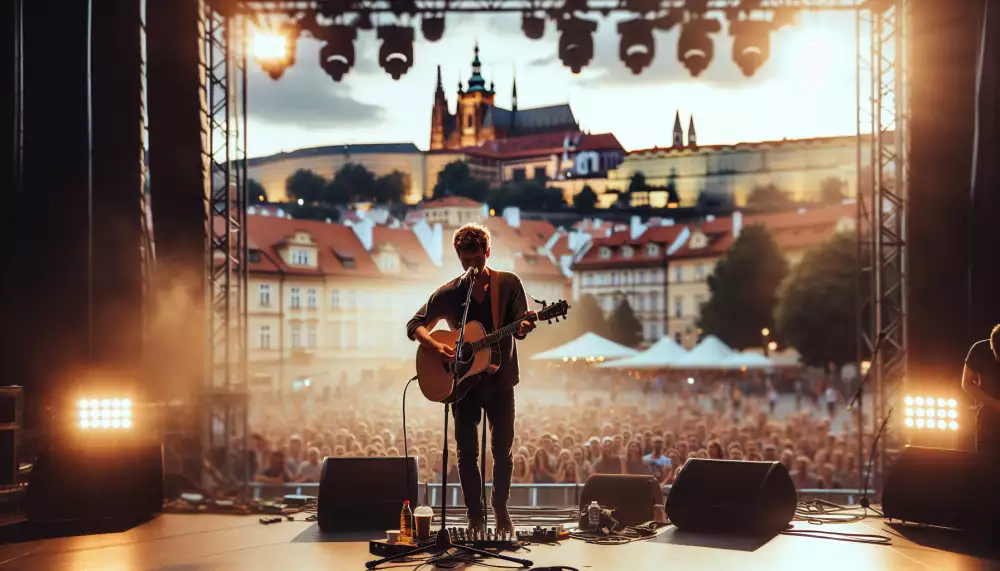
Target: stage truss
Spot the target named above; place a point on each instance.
(882, 144)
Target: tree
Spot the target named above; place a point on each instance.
(623, 326)
(768, 197)
(744, 289)
(714, 201)
(637, 183)
(305, 185)
(831, 191)
(390, 188)
(455, 179)
(255, 192)
(816, 312)
(352, 183)
(313, 212)
(585, 200)
(526, 195)
(672, 196)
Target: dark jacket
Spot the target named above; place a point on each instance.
(507, 299)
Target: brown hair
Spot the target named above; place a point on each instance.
(469, 237)
(995, 339)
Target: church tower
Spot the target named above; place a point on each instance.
(678, 132)
(692, 136)
(472, 104)
(439, 114)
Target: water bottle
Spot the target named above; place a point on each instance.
(405, 524)
(594, 515)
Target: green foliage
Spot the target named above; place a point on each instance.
(623, 326)
(352, 183)
(744, 289)
(672, 196)
(817, 311)
(713, 201)
(585, 200)
(391, 188)
(255, 192)
(831, 191)
(305, 185)
(768, 198)
(313, 211)
(526, 195)
(638, 183)
(455, 179)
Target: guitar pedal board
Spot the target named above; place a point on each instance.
(539, 534)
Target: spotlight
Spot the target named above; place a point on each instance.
(336, 57)
(931, 412)
(274, 49)
(694, 48)
(751, 44)
(396, 54)
(108, 413)
(533, 26)
(576, 44)
(432, 27)
(638, 47)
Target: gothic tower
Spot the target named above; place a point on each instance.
(439, 114)
(678, 132)
(472, 104)
(692, 136)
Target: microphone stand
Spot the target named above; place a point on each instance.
(443, 543)
(857, 399)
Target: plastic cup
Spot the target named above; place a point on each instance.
(422, 522)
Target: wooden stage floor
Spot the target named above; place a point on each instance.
(175, 542)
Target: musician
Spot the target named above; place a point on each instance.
(498, 299)
(981, 381)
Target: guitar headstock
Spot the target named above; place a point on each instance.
(554, 311)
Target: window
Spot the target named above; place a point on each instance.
(699, 301)
(349, 299)
(678, 306)
(677, 338)
(679, 274)
(518, 175)
(311, 336)
(627, 252)
(652, 250)
(300, 257)
(294, 300)
(254, 256)
(650, 331)
(468, 121)
(265, 295)
(540, 173)
(311, 298)
(334, 299)
(699, 273)
(296, 336)
(605, 253)
(265, 337)
(336, 338)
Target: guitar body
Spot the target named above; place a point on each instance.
(434, 375)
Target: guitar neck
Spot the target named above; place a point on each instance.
(496, 336)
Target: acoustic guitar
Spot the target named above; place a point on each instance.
(480, 353)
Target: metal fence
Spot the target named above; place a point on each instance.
(532, 495)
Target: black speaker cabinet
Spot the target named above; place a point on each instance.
(947, 488)
(725, 496)
(365, 493)
(73, 481)
(632, 497)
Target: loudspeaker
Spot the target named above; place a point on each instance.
(632, 497)
(71, 481)
(726, 496)
(947, 488)
(365, 493)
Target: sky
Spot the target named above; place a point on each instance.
(806, 88)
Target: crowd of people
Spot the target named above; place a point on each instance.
(616, 425)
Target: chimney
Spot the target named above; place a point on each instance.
(430, 240)
(512, 215)
(364, 231)
(737, 223)
(437, 255)
(636, 227)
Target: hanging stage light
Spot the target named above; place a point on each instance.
(273, 48)
(751, 44)
(638, 47)
(576, 44)
(694, 48)
(336, 57)
(396, 54)
(533, 26)
(432, 27)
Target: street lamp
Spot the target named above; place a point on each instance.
(765, 334)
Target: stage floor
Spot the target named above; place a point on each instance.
(221, 542)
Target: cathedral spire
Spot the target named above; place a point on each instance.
(476, 81)
(678, 131)
(692, 136)
(513, 104)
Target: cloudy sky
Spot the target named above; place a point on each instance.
(806, 89)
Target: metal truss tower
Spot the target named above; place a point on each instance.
(883, 168)
(224, 399)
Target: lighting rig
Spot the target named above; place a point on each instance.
(335, 23)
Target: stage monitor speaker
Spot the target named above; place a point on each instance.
(725, 496)
(632, 497)
(365, 493)
(947, 488)
(75, 482)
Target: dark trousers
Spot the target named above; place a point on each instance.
(498, 402)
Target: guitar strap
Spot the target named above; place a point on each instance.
(495, 299)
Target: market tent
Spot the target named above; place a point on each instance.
(589, 346)
(661, 355)
(749, 360)
(711, 353)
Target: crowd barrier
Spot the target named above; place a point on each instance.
(533, 495)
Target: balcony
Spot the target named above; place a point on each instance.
(302, 356)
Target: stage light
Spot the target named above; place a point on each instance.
(532, 26)
(694, 48)
(637, 47)
(751, 44)
(909, 401)
(396, 54)
(273, 48)
(432, 27)
(909, 422)
(336, 57)
(909, 412)
(690, 380)
(934, 413)
(106, 413)
(952, 403)
(918, 400)
(920, 423)
(576, 44)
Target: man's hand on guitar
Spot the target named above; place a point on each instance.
(525, 328)
(446, 351)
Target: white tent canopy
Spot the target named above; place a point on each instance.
(661, 355)
(711, 353)
(749, 360)
(586, 346)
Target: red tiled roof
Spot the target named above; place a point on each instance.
(406, 244)
(662, 235)
(561, 246)
(333, 242)
(538, 232)
(599, 142)
(452, 201)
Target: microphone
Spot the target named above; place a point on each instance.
(471, 272)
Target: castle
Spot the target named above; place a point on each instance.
(478, 120)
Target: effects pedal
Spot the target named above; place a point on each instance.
(548, 534)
